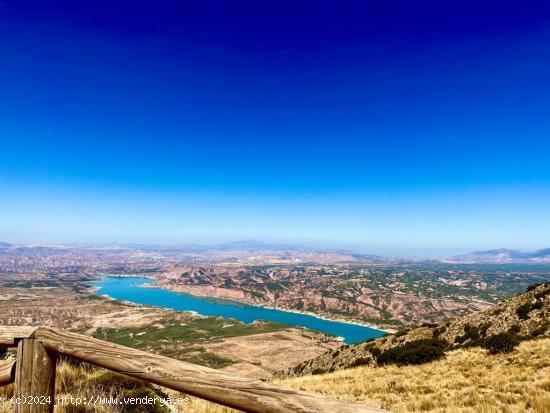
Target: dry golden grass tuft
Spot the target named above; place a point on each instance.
(6, 392)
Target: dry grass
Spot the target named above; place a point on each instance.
(5, 393)
(464, 381)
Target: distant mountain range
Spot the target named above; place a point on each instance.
(253, 245)
(504, 256)
(494, 256)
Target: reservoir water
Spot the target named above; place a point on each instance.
(129, 289)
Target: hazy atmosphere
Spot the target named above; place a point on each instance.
(410, 128)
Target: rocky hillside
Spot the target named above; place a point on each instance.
(524, 316)
(390, 297)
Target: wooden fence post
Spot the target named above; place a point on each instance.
(34, 378)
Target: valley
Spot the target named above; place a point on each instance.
(442, 316)
(387, 296)
(386, 293)
(211, 341)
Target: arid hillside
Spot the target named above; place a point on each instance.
(522, 317)
(465, 380)
(387, 296)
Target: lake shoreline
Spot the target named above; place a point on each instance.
(126, 290)
(339, 320)
(155, 284)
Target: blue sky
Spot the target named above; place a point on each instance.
(384, 126)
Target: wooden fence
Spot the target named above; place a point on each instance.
(33, 374)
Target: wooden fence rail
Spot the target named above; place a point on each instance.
(38, 349)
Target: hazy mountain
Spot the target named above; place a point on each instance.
(4, 244)
(504, 255)
(541, 253)
(252, 245)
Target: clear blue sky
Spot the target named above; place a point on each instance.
(395, 125)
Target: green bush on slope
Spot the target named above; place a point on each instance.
(414, 352)
(501, 343)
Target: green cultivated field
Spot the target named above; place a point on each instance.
(182, 339)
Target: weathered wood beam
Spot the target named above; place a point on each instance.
(9, 335)
(214, 385)
(34, 378)
(7, 372)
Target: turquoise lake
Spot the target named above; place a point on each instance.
(128, 289)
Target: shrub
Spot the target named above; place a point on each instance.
(470, 333)
(375, 351)
(515, 329)
(299, 368)
(360, 361)
(414, 352)
(473, 333)
(483, 328)
(523, 310)
(438, 331)
(533, 287)
(542, 294)
(401, 332)
(501, 343)
(541, 329)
